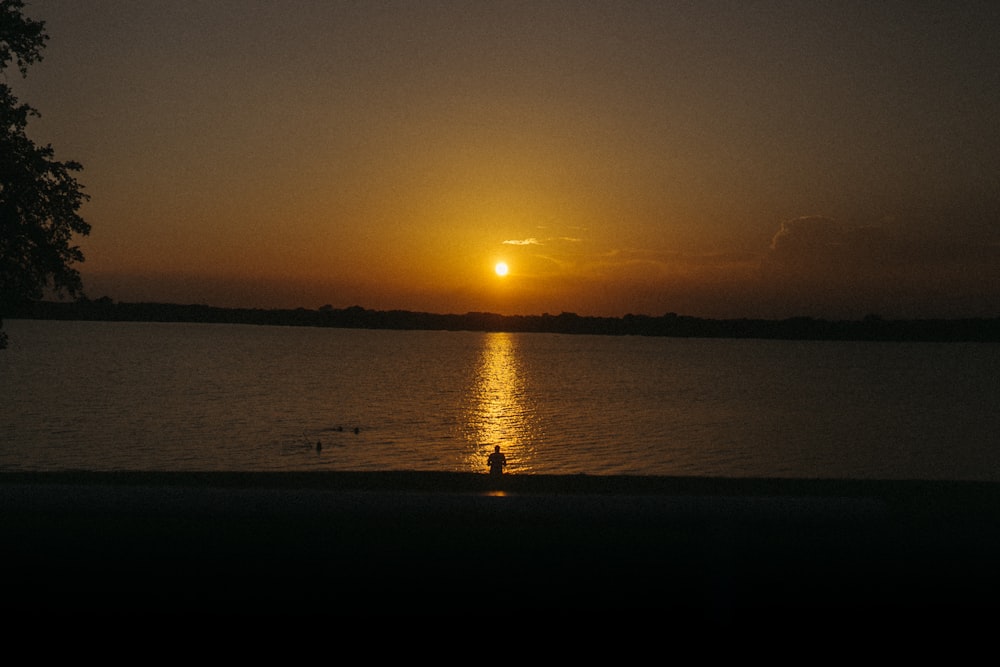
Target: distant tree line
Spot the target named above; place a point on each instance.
(871, 328)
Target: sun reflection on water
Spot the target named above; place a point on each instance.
(499, 409)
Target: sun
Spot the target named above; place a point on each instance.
(501, 268)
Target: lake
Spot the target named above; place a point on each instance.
(109, 396)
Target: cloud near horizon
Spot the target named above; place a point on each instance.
(885, 268)
(822, 241)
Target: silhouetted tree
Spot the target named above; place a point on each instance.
(39, 196)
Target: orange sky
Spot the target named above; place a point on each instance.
(719, 159)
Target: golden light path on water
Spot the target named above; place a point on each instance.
(499, 407)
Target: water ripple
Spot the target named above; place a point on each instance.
(145, 396)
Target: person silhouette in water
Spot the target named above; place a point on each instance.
(496, 461)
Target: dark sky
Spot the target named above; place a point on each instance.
(721, 159)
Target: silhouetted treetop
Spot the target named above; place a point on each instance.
(40, 197)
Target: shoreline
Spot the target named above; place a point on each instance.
(414, 543)
(442, 482)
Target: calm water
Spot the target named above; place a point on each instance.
(151, 396)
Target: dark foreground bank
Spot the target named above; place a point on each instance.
(453, 543)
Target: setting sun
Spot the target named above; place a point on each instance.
(501, 268)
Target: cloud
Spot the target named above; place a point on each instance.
(811, 234)
(823, 242)
(896, 269)
(710, 267)
(534, 241)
